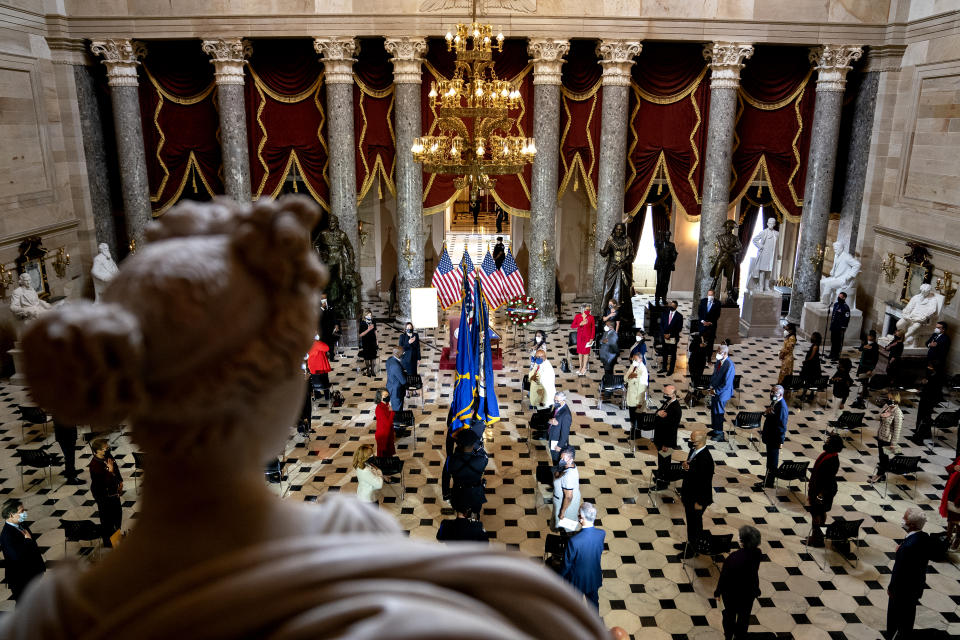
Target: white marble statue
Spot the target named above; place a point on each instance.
(843, 277)
(921, 308)
(761, 269)
(24, 301)
(103, 270)
(197, 345)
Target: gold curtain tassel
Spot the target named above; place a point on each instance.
(576, 180)
(193, 176)
(379, 189)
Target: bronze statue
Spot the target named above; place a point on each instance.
(618, 277)
(664, 265)
(343, 292)
(725, 263)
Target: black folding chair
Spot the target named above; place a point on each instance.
(820, 385)
(849, 421)
(415, 384)
(737, 378)
(711, 546)
(700, 386)
(137, 466)
(318, 387)
(81, 531)
(903, 466)
(848, 531)
(749, 421)
(392, 468)
(646, 422)
(945, 421)
(792, 471)
(610, 384)
(673, 475)
(37, 459)
(403, 425)
(32, 416)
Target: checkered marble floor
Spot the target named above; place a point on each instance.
(645, 589)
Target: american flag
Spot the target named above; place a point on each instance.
(467, 265)
(513, 281)
(494, 283)
(447, 280)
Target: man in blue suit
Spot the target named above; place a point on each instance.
(774, 432)
(721, 388)
(581, 561)
(708, 314)
(908, 578)
(396, 379)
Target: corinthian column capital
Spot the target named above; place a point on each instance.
(229, 55)
(547, 58)
(726, 60)
(832, 62)
(121, 55)
(616, 57)
(337, 58)
(407, 57)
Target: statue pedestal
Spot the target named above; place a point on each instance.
(815, 318)
(18, 378)
(349, 331)
(760, 316)
(728, 326)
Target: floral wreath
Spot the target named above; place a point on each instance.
(522, 310)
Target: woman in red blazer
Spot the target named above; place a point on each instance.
(384, 434)
(584, 324)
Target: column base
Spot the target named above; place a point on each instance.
(349, 333)
(18, 378)
(544, 323)
(728, 326)
(760, 316)
(816, 318)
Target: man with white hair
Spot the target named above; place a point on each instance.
(908, 578)
(558, 433)
(721, 388)
(774, 432)
(581, 560)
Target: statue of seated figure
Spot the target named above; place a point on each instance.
(920, 310)
(197, 344)
(842, 278)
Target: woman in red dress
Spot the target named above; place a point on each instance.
(384, 434)
(584, 324)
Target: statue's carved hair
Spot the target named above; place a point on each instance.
(219, 305)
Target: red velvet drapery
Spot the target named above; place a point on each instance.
(581, 101)
(286, 119)
(776, 100)
(180, 123)
(373, 101)
(669, 103)
(512, 192)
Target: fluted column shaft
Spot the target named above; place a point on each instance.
(228, 59)
(122, 57)
(541, 280)
(338, 74)
(726, 60)
(616, 57)
(833, 62)
(407, 58)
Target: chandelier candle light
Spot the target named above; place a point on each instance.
(474, 94)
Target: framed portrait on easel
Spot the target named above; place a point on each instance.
(32, 260)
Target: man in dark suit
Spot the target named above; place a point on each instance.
(708, 314)
(671, 324)
(774, 432)
(501, 218)
(839, 319)
(908, 578)
(696, 491)
(938, 345)
(721, 390)
(66, 437)
(396, 379)
(466, 467)
(558, 433)
(665, 427)
(23, 559)
(329, 327)
(739, 584)
(499, 252)
(581, 560)
(931, 393)
(475, 210)
(609, 348)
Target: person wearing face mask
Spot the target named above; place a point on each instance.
(697, 363)
(558, 433)
(329, 327)
(908, 577)
(708, 314)
(786, 351)
(21, 555)
(671, 325)
(869, 357)
(584, 325)
(542, 382)
(410, 343)
(696, 490)
(637, 380)
(931, 392)
(888, 435)
(938, 345)
(106, 484)
(640, 346)
(839, 319)
(609, 348)
(665, 427)
(539, 342)
(721, 388)
(773, 434)
(384, 435)
(822, 487)
(894, 350)
(613, 315)
(368, 342)
(396, 380)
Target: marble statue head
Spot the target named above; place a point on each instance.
(926, 289)
(26, 281)
(619, 230)
(771, 223)
(104, 249)
(837, 248)
(199, 337)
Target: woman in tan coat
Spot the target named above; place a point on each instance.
(888, 435)
(786, 352)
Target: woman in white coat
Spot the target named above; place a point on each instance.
(637, 379)
(542, 382)
(369, 478)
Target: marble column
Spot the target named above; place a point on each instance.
(832, 63)
(616, 57)
(541, 273)
(122, 57)
(229, 56)
(338, 75)
(407, 58)
(726, 60)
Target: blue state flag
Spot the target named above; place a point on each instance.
(488, 409)
(462, 409)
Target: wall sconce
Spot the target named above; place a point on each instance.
(408, 254)
(132, 246)
(889, 268)
(6, 280)
(544, 254)
(817, 258)
(61, 261)
(361, 233)
(945, 287)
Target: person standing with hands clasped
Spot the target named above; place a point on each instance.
(384, 434)
(566, 491)
(839, 319)
(543, 384)
(888, 435)
(410, 343)
(671, 324)
(22, 556)
(665, 427)
(558, 433)
(637, 379)
(773, 434)
(696, 491)
(822, 487)
(581, 560)
(908, 578)
(721, 390)
(106, 484)
(708, 314)
(583, 323)
(739, 584)
(368, 342)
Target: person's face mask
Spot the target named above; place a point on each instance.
(639, 338)
(691, 444)
(409, 332)
(709, 298)
(538, 360)
(636, 362)
(839, 299)
(936, 329)
(719, 357)
(22, 516)
(369, 318)
(905, 526)
(385, 399)
(538, 339)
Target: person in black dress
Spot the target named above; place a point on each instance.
(810, 369)
(869, 357)
(894, 359)
(700, 350)
(410, 342)
(842, 382)
(822, 487)
(106, 485)
(368, 342)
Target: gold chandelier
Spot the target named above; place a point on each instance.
(474, 94)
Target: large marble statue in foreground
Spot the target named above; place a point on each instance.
(842, 278)
(921, 308)
(197, 345)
